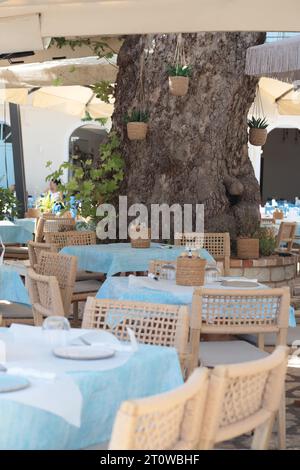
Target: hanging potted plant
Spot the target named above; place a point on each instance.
(258, 123)
(137, 124)
(179, 79)
(257, 131)
(179, 72)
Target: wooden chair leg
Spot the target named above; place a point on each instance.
(76, 311)
(262, 435)
(261, 341)
(281, 423)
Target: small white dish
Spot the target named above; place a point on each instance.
(12, 383)
(83, 353)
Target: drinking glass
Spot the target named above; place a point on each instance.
(56, 330)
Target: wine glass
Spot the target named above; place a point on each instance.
(56, 330)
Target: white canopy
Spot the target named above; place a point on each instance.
(81, 71)
(279, 59)
(115, 17)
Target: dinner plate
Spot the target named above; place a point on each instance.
(12, 383)
(239, 284)
(81, 353)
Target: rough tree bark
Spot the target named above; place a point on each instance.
(196, 148)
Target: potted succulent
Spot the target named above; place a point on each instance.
(179, 79)
(258, 131)
(137, 124)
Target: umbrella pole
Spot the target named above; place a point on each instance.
(18, 156)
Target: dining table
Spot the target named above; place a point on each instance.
(72, 404)
(13, 232)
(114, 258)
(164, 291)
(12, 287)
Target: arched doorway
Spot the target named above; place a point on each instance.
(86, 140)
(7, 173)
(280, 165)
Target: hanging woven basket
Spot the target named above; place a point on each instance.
(258, 137)
(137, 130)
(248, 248)
(178, 85)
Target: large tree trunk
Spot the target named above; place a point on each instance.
(196, 148)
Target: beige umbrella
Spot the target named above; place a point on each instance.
(73, 100)
(279, 97)
(17, 95)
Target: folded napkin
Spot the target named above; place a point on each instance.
(35, 374)
(106, 339)
(159, 285)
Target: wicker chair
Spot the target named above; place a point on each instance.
(35, 249)
(60, 224)
(217, 244)
(61, 239)
(32, 213)
(158, 324)
(242, 398)
(237, 312)
(267, 221)
(286, 235)
(63, 267)
(51, 223)
(45, 296)
(39, 226)
(70, 238)
(168, 421)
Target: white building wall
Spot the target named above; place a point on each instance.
(45, 137)
(283, 122)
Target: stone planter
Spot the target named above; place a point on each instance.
(274, 271)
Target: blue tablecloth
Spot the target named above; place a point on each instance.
(13, 233)
(28, 224)
(116, 258)
(150, 371)
(11, 286)
(118, 288)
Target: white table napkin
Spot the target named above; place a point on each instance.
(52, 389)
(161, 284)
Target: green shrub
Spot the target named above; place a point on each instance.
(9, 206)
(267, 241)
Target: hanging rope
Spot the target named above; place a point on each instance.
(179, 56)
(4, 140)
(140, 95)
(258, 110)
